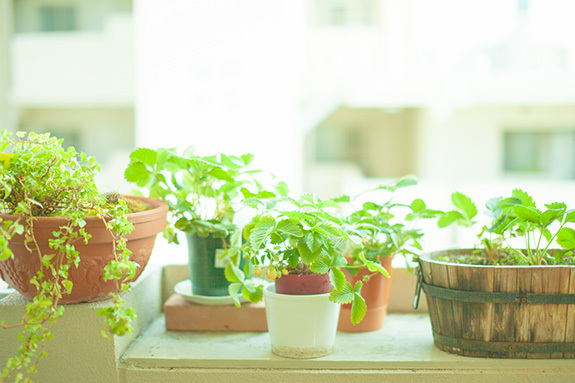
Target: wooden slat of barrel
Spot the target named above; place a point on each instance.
(445, 315)
(505, 316)
(476, 317)
(570, 322)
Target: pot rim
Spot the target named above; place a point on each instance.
(159, 207)
(270, 291)
(427, 257)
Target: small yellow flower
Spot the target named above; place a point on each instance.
(257, 271)
(272, 274)
(285, 272)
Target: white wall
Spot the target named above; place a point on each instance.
(223, 77)
(74, 68)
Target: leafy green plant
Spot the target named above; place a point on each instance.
(202, 193)
(39, 178)
(298, 236)
(388, 228)
(519, 232)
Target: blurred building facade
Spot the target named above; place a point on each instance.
(333, 95)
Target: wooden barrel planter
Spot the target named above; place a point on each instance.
(499, 311)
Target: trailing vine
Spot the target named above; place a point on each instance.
(41, 178)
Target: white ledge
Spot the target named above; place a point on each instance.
(404, 343)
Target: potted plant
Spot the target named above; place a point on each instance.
(513, 295)
(63, 242)
(203, 194)
(301, 246)
(387, 229)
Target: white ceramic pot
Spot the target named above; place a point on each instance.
(301, 326)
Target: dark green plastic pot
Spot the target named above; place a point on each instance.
(206, 269)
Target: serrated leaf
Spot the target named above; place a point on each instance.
(145, 155)
(137, 173)
(321, 265)
(290, 227)
(234, 291)
(337, 278)
(566, 238)
(247, 158)
(418, 205)
(358, 306)
(524, 197)
(233, 273)
(464, 204)
(251, 292)
(261, 232)
(343, 296)
(342, 199)
(449, 218)
(570, 216)
(527, 213)
(306, 255)
(549, 216)
(373, 266)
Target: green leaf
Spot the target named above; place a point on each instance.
(527, 213)
(337, 278)
(464, 204)
(247, 158)
(261, 232)
(321, 265)
(137, 173)
(234, 291)
(566, 238)
(345, 295)
(526, 199)
(233, 273)
(570, 216)
(290, 227)
(147, 156)
(449, 218)
(373, 266)
(358, 306)
(418, 205)
(408, 180)
(251, 292)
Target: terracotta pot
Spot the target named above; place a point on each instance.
(311, 284)
(89, 285)
(376, 295)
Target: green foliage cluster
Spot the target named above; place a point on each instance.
(202, 192)
(292, 236)
(289, 234)
(387, 228)
(40, 178)
(518, 217)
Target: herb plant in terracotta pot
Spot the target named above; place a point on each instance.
(512, 296)
(203, 194)
(63, 242)
(387, 228)
(299, 244)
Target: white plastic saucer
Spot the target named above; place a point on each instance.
(184, 288)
